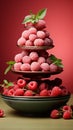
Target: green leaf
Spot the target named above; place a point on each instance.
(5, 81)
(53, 58)
(8, 69)
(10, 62)
(41, 14)
(10, 84)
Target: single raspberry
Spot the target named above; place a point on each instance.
(56, 91)
(16, 87)
(41, 60)
(28, 93)
(32, 85)
(38, 42)
(32, 30)
(10, 92)
(17, 66)
(25, 34)
(21, 83)
(41, 24)
(40, 34)
(44, 92)
(26, 59)
(18, 57)
(67, 115)
(21, 41)
(33, 56)
(66, 108)
(55, 114)
(48, 61)
(44, 66)
(35, 66)
(5, 91)
(25, 67)
(32, 37)
(2, 113)
(46, 33)
(48, 42)
(19, 92)
(29, 43)
(24, 53)
(53, 67)
(43, 86)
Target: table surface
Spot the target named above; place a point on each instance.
(15, 121)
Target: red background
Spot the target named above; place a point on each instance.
(59, 23)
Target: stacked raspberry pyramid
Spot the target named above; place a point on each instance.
(35, 65)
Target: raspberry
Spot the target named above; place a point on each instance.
(48, 42)
(32, 85)
(47, 33)
(34, 56)
(32, 30)
(54, 114)
(28, 93)
(41, 60)
(44, 92)
(10, 92)
(45, 66)
(29, 43)
(21, 83)
(56, 91)
(25, 34)
(35, 66)
(48, 61)
(21, 41)
(18, 57)
(53, 67)
(1, 113)
(5, 91)
(19, 92)
(17, 66)
(24, 53)
(25, 67)
(16, 87)
(41, 24)
(32, 37)
(67, 115)
(26, 59)
(40, 34)
(38, 42)
(66, 108)
(43, 86)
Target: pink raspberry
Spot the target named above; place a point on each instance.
(17, 66)
(32, 85)
(41, 60)
(25, 34)
(1, 113)
(28, 93)
(48, 61)
(29, 43)
(21, 83)
(53, 67)
(10, 92)
(45, 66)
(43, 86)
(67, 115)
(32, 37)
(21, 41)
(41, 24)
(44, 92)
(24, 53)
(48, 42)
(34, 56)
(35, 66)
(32, 30)
(25, 67)
(56, 91)
(54, 114)
(26, 59)
(47, 33)
(18, 57)
(40, 34)
(16, 87)
(19, 92)
(38, 42)
(5, 91)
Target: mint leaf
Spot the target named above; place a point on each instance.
(41, 14)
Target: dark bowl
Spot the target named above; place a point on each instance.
(35, 105)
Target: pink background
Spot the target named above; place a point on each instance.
(59, 23)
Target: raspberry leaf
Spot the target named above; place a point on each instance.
(10, 64)
(41, 14)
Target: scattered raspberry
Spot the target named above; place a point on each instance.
(56, 91)
(32, 85)
(66, 108)
(67, 115)
(28, 93)
(35, 66)
(44, 92)
(21, 83)
(2, 113)
(55, 114)
(38, 42)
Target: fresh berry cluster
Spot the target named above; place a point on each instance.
(34, 61)
(65, 111)
(24, 87)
